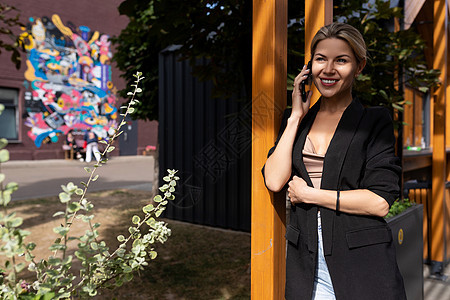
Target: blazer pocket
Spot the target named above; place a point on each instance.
(368, 236)
(292, 235)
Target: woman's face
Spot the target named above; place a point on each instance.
(334, 68)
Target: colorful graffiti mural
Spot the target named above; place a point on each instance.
(68, 81)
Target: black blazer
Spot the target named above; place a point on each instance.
(358, 249)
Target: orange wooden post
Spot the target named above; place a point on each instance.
(446, 210)
(439, 141)
(268, 103)
(318, 13)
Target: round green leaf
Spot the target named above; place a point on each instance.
(15, 222)
(4, 155)
(31, 246)
(61, 230)
(64, 197)
(74, 207)
(12, 186)
(59, 213)
(94, 246)
(3, 143)
(148, 208)
(135, 219)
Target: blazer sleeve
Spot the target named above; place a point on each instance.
(382, 171)
(286, 114)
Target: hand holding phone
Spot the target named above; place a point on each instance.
(307, 80)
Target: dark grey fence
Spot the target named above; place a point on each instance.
(209, 141)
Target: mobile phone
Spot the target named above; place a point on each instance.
(306, 81)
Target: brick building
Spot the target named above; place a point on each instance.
(67, 81)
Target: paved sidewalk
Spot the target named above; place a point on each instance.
(436, 289)
(41, 178)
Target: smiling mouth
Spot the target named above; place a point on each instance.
(328, 82)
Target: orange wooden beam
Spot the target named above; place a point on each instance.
(446, 210)
(269, 74)
(440, 48)
(318, 13)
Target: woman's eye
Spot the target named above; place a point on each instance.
(342, 60)
(319, 59)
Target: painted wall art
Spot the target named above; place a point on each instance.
(68, 81)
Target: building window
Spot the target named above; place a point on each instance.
(426, 115)
(417, 124)
(9, 117)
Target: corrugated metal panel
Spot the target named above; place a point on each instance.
(209, 141)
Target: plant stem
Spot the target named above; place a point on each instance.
(108, 145)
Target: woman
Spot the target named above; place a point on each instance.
(91, 142)
(337, 161)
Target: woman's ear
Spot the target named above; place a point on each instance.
(360, 67)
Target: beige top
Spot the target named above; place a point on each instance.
(313, 163)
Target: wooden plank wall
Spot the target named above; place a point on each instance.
(423, 196)
(413, 118)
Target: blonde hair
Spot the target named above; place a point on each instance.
(344, 32)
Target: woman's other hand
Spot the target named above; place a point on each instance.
(300, 108)
(298, 190)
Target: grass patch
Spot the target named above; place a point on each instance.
(121, 193)
(195, 263)
(37, 201)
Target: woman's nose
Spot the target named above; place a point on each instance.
(329, 67)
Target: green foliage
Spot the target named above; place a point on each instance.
(100, 266)
(398, 207)
(215, 32)
(390, 53)
(9, 41)
(219, 33)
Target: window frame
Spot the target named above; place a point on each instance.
(11, 102)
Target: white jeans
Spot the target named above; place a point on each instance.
(323, 287)
(92, 147)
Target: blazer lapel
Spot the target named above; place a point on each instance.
(300, 169)
(299, 143)
(337, 150)
(333, 163)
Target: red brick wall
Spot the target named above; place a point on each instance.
(147, 135)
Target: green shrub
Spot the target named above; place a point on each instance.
(398, 207)
(100, 266)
